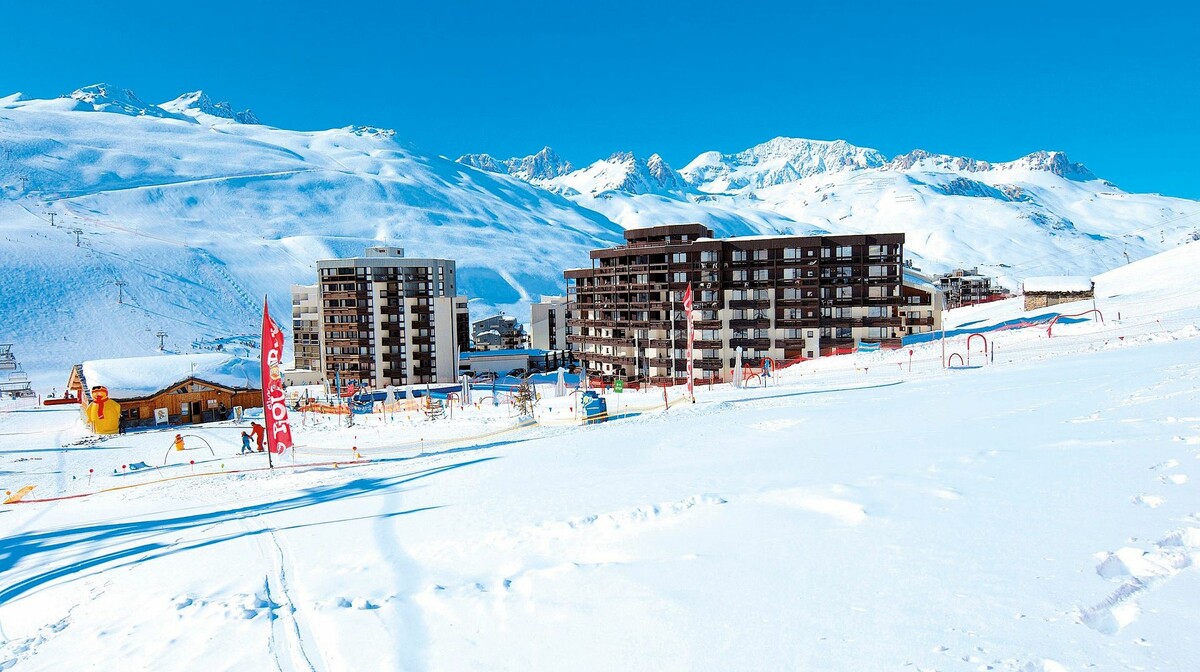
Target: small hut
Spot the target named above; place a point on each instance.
(171, 389)
(1051, 290)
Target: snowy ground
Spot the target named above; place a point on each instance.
(1039, 512)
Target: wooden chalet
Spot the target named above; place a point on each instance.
(171, 389)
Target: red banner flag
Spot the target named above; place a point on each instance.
(691, 332)
(279, 432)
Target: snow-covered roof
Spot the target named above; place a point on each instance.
(135, 377)
(1058, 283)
(914, 279)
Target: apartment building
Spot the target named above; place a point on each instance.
(548, 323)
(782, 297)
(306, 327)
(390, 320)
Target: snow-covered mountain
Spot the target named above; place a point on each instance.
(201, 217)
(636, 192)
(776, 161)
(199, 106)
(1039, 214)
(535, 168)
(626, 173)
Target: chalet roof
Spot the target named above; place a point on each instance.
(137, 377)
(1058, 284)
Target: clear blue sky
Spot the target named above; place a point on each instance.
(1117, 86)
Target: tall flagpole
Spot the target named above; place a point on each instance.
(672, 337)
(266, 406)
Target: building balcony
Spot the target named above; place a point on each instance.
(756, 343)
(750, 304)
(755, 323)
(885, 321)
(789, 342)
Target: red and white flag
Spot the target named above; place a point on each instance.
(691, 332)
(279, 432)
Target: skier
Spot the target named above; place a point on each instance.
(259, 432)
(246, 443)
(178, 442)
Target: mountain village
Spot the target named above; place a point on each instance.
(521, 410)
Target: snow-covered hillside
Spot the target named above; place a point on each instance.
(201, 215)
(1039, 512)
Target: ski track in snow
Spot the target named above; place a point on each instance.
(288, 636)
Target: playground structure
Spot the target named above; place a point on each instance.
(194, 437)
(948, 362)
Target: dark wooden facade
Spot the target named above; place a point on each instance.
(764, 294)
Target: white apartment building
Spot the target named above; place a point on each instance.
(548, 323)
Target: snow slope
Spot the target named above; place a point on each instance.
(1039, 513)
(202, 216)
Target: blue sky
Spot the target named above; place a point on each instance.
(1115, 86)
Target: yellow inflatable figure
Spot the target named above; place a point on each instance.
(103, 414)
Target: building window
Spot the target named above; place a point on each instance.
(791, 253)
(844, 251)
(759, 255)
(679, 258)
(738, 255)
(679, 277)
(738, 276)
(708, 256)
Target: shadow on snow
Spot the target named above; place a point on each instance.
(40, 549)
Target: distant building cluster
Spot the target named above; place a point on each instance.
(385, 319)
(964, 287)
(498, 332)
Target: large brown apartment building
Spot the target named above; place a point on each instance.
(782, 297)
(390, 320)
